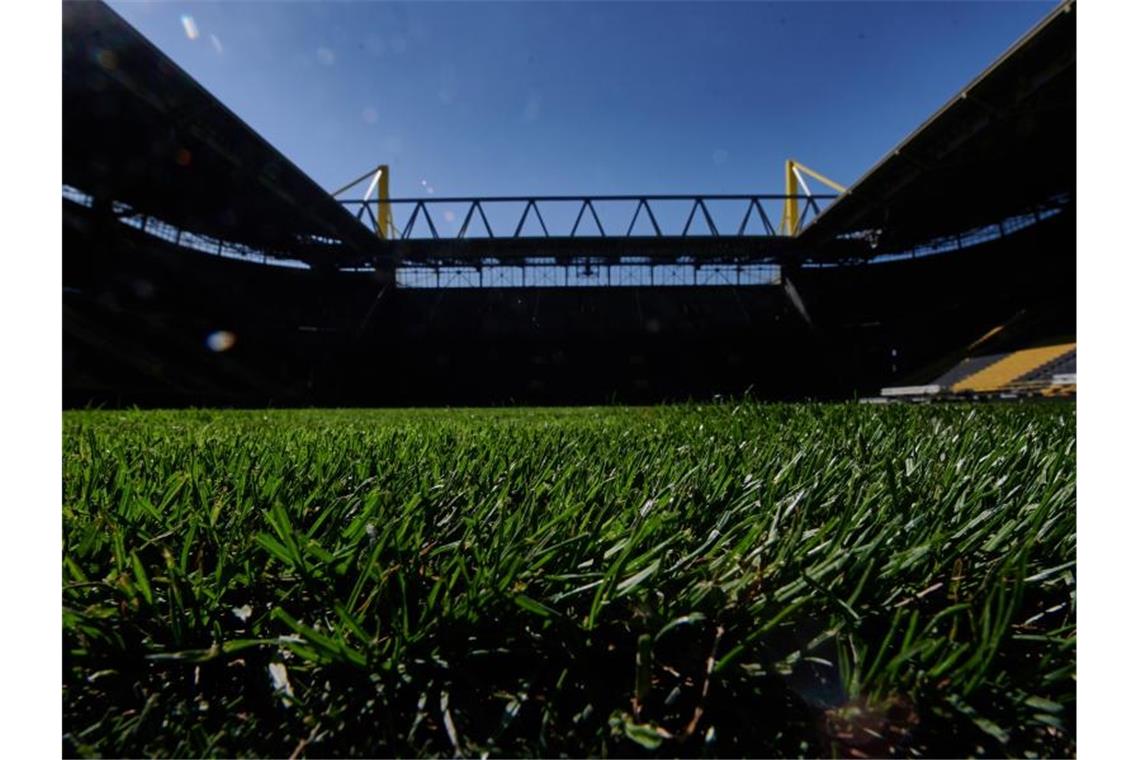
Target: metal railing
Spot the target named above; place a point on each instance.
(605, 275)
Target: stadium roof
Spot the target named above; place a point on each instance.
(1007, 141)
(139, 130)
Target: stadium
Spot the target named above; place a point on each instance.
(888, 287)
(666, 344)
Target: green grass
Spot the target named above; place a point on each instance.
(697, 580)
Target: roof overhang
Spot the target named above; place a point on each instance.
(1004, 143)
(139, 130)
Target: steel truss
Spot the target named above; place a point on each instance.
(420, 224)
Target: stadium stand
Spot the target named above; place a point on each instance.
(1052, 379)
(1065, 364)
(1048, 370)
(891, 285)
(998, 375)
(968, 367)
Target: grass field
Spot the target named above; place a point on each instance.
(696, 580)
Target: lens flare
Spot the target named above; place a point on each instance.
(189, 26)
(220, 340)
(107, 59)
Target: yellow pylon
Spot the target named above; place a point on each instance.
(385, 228)
(793, 184)
(383, 207)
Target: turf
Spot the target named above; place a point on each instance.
(694, 580)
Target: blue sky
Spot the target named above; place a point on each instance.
(511, 98)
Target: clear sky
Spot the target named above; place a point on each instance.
(511, 98)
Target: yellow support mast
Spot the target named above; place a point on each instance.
(385, 227)
(794, 183)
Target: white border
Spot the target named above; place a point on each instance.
(30, 355)
(1108, 427)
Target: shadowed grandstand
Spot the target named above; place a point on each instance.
(202, 267)
(1044, 370)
